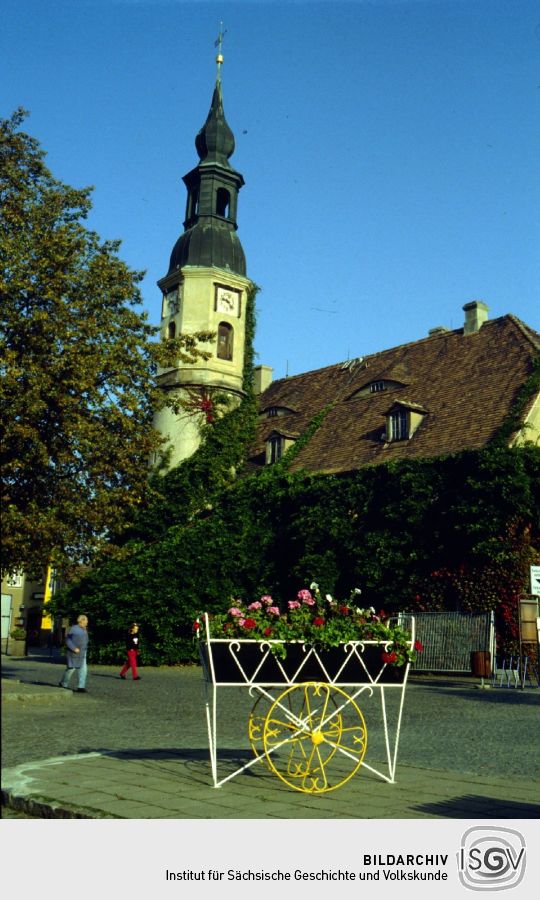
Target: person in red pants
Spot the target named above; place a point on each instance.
(132, 648)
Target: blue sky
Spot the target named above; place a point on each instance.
(390, 151)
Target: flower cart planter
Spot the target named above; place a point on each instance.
(305, 725)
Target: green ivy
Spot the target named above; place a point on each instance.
(474, 517)
(513, 424)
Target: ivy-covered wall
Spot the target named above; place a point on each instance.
(454, 533)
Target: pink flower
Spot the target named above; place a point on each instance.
(266, 599)
(255, 605)
(241, 622)
(234, 611)
(305, 596)
(294, 604)
(274, 610)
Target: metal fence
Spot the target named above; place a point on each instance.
(449, 638)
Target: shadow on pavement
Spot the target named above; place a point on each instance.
(529, 696)
(170, 753)
(474, 807)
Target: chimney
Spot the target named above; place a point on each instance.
(262, 378)
(476, 314)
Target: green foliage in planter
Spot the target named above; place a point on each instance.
(18, 634)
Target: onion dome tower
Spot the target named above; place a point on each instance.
(206, 287)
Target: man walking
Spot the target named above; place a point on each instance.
(77, 643)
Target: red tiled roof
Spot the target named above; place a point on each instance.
(465, 384)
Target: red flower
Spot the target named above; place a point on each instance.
(418, 645)
(196, 626)
(250, 623)
(318, 621)
(389, 658)
(344, 610)
(267, 632)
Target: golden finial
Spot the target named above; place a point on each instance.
(219, 43)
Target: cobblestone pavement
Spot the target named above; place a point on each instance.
(450, 726)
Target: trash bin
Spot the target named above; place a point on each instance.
(481, 663)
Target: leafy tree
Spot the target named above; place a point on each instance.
(78, 369)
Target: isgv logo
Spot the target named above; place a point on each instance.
(491, 859)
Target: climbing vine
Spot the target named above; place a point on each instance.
(456, 533)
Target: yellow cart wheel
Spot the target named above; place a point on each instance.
(256, 721)
(314, 737)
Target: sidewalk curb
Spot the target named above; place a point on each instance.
(46, 809)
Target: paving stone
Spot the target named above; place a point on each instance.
(140, 751)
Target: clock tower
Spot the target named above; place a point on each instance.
(206, 287)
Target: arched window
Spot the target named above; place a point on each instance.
(223, 199)
(171, 330)
(225, 341)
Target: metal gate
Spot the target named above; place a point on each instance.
(449, 638)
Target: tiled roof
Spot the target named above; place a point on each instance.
(465, 384)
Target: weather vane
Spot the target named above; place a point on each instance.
(219, 44)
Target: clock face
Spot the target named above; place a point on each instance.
(228, 301)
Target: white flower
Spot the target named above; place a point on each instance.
(357, 591)
(314, 586)
(329, 599)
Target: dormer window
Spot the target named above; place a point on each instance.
(402, 420)
(270, 412)
(376, 387)
(398, 425)
(274, 449)
(276, 445)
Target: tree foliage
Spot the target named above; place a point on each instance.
(78, 369)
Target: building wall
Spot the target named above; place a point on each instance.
(22, 605)
(198, 287)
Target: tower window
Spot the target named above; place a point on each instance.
(171, 330)
(192, 203)
(223, 200)
(225, 341)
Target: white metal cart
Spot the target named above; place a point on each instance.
(305, 725)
